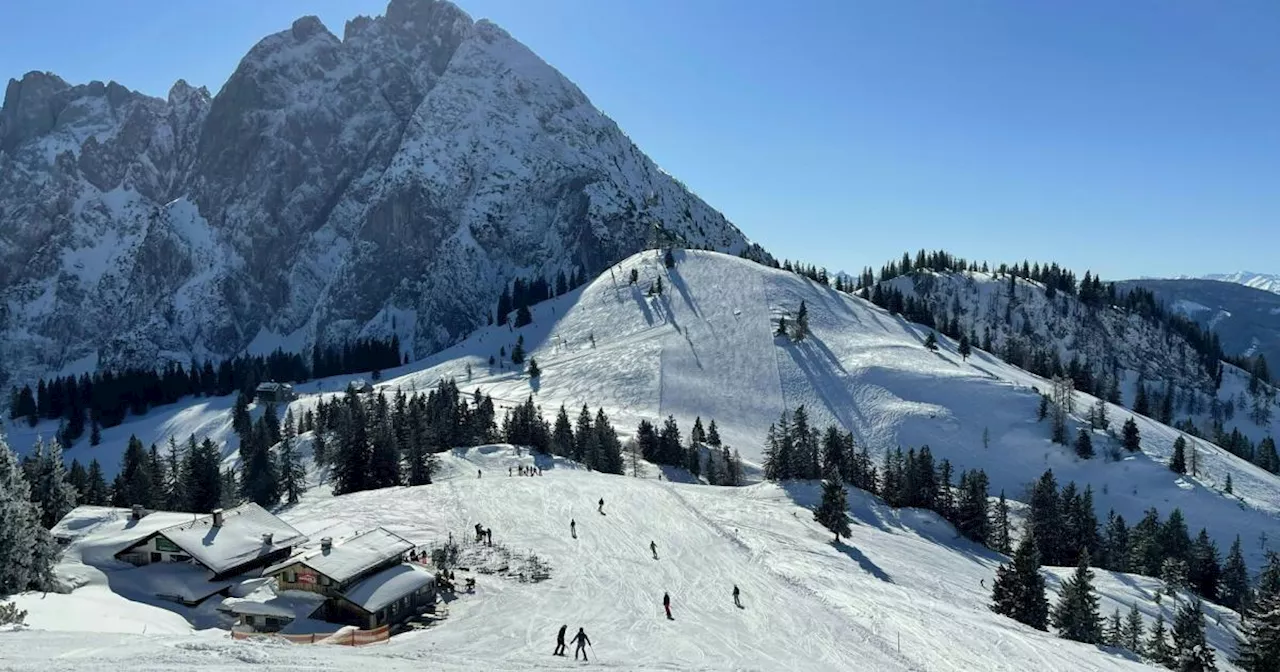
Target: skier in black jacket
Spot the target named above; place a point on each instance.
(560, 648)
(581, 640)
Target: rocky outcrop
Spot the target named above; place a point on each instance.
(408, 169)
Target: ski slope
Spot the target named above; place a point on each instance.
(706, 347)
(902, 594)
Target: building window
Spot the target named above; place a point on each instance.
(291, 576)
(155, 557)
(179, 558)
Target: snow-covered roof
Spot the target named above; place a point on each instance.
(181, 580)
(289, 604)
(273, 387)
(238, 540)
(349, 558)
(100, 532)
(389, 585)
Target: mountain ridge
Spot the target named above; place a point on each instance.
(389, 182)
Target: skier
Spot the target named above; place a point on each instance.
(573, 528)
(508, 472)
(601, 507)
(560, 648)
(478, 474)
(736, 602)
(666, 604)
(654, 549)
(581, 640)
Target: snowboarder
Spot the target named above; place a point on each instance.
(601, 507)
(654, 549)
(573, 528)
(736, 602)
(581, 640)
(560, 647)
(666, 604)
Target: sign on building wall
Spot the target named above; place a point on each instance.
(167, 546)
(306, 578)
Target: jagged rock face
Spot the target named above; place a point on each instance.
(388, 181)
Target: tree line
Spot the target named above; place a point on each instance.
(705, 456)
(105, 398)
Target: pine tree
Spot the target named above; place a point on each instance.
(668, 259)
(609, 448)
(1046, 519)
(1131, 631)
(931, 342)
(1113, 633)
(1258, 649)
(1000, 541)
(1084, 444)
(1205, 569)
(964, 348)
(1156, 649)
(1042, 411)
(534, 371)
(832, 511)
(801, 329)
(523, 317)
(1190, 650)
(713, 434)
(79, 480)
(1132, 441)
(51, 490)
(96, 494)
(697, 434)
(26, 550)
(562, 435)
(517, 351)
(292, 475)
(1076, 614)
(1018, 590)
(95, 433)
(1178, 464)
(1233, 588)
(581, 437)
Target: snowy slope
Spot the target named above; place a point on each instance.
(902, 594)
(706, 348)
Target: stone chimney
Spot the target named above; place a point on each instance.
(266, 539)
(217, 517)
(138, 512)
(326, 544)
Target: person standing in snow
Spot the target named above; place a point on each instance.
(601, 507)
(736, 602)
(654, 549)
(478, 474)
(508, 472)
(666, 604)
(581, 640)
(560, 647)
(573, 528)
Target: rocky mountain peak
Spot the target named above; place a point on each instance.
(387, 183)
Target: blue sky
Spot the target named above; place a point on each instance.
(1132, 138)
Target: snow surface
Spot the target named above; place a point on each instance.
(237, 541)
(903, 593)
(348, 558)
(389, 585)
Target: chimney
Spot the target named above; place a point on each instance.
(326, 544)
(138, 512)
(217, 517)
(266, 538)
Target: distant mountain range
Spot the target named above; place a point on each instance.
(1267, 282)
(1242, 310)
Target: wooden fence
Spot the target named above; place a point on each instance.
(346, 638)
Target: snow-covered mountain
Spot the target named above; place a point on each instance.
(706, 348)
(1247, 319)
(1267, 282)
(388, 181)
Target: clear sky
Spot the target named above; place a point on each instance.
(1132, 138)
